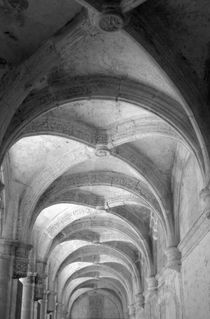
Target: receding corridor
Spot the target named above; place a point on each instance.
(104, 181)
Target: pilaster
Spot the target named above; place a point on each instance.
(21, 253)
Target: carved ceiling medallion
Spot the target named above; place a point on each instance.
(111, 21)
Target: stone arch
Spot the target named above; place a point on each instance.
(103, 271)
(145, 168)
(115, 299)
(116, 286)
(108, 88)
(106, 275)
(106, 283)
(82, 133)
(87, 249)
(118, 224)
(134, 186)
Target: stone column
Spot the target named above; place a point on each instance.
(44, 305)
(173, 256)
(13, 264)
(139, 306)
(35, 309)
(14, 295)
(28, 296)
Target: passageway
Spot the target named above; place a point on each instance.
(104, 164)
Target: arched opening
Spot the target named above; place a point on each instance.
(104, 173)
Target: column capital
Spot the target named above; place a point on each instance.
(173, 256)
(19, 251)
(21, 260)
(30, 279)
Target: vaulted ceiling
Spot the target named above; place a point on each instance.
(104, 113)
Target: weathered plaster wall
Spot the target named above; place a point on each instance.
(196, 281)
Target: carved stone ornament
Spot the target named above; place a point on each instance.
(111, 19)
(102, 151)
(110, 22)
(20, 266)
